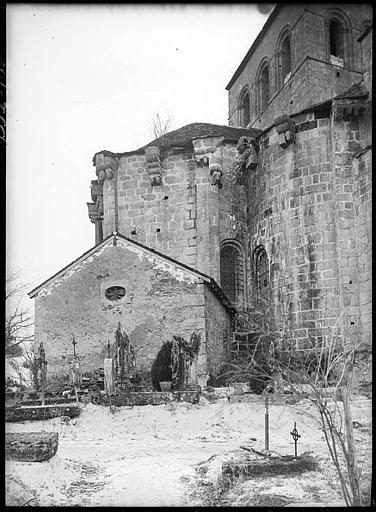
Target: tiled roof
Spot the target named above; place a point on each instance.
(183, 136)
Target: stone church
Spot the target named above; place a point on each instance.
(210, 222)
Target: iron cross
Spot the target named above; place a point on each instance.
(74, 343)
(295, 435)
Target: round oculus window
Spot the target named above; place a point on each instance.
(114, 292)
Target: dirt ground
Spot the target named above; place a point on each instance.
(171, 455)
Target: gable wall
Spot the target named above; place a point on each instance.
(156, 306)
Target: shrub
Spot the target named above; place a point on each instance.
(161, 368)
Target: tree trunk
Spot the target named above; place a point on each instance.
(31, 446)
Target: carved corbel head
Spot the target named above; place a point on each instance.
(247, 156)
(286, 130)
(106, 166)
(215, 170)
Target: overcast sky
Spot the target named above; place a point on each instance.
(82, 78)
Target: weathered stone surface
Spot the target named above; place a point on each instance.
(49, 401)
(14, 414)
(31, 446)
(273, 465)
(150, 398)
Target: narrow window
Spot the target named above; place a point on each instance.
(262, 275)
(286, 57)
(231, 268)
(336, 39)
(244, 110)
(264, 86)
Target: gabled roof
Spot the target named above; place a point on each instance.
(117, 239)
(182, 137)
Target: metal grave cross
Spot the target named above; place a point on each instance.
(295, 435)
(74, 343)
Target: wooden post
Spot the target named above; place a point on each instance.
(354, 480)
(267, 420)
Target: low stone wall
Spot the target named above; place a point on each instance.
(148, 398)
(31, 446)
(282, 465)
(14, 414)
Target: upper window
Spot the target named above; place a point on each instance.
(283, 57)
(262, 88)
(244, 108)
(232, 273)
(336, 39)
(286, 57)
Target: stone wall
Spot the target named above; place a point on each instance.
(313, 77)
(161, 217)
(156, 306)
(309, 206)
(161, 300)
(291, 213)
(352, 171)
(218, 333)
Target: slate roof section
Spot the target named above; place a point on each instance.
(209, 281)
(182, 137)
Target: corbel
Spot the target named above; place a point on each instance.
(105, 166)
(153, 165)
(285, 127)
(247, 149)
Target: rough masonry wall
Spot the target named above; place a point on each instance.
(218, 333)
(221, 209)
(352, 171)
(161, 217)
(311, 80)
(314, 82)
(232, 200)
(292, 214)
(156, 306)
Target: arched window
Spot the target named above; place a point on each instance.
(283, 57)
(286, 57)
(244, 108)
(336, 39)
(262, 88)
(232, 271)
(339, 46)
(261, 274)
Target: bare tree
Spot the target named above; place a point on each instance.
(18, 319)
(160, 126)
(322, 374)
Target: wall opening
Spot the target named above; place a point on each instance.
(244, 109)
(286, 57)
(261, 274)
(262, 88)
(336, 39)
(232, 271)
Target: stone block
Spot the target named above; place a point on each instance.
(31, 446)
